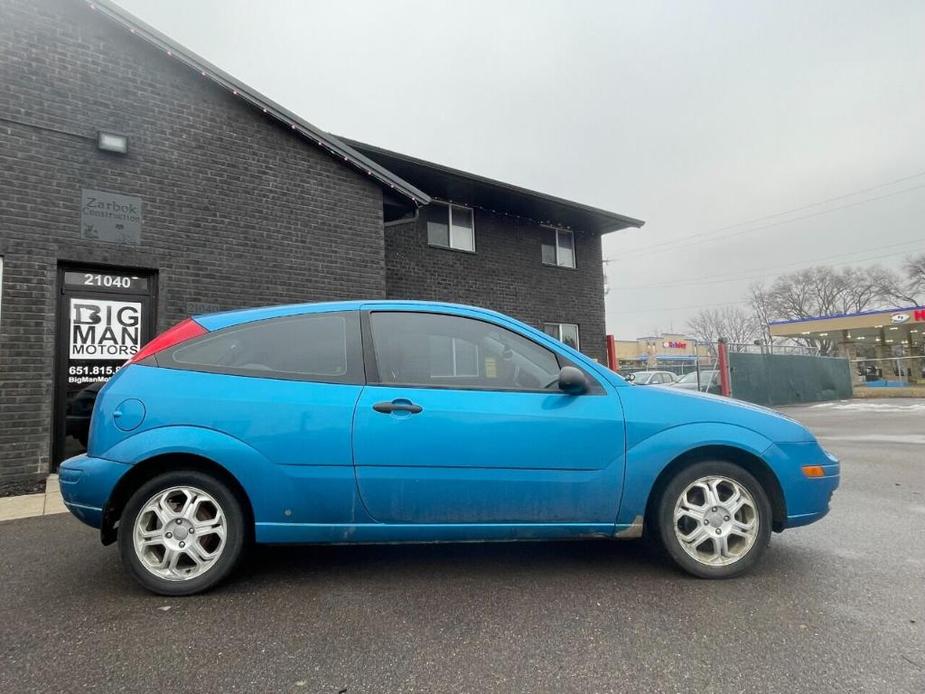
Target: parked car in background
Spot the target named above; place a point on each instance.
(709, 382)
(652, 378)
(405, 421)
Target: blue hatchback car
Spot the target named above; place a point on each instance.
(386, 421)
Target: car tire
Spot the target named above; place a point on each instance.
(181, 533)
(714, 519)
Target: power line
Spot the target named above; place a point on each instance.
(725, 303)
(823, 202)
(686, 242)
(678, 308)
(711, 236)
(729, 278)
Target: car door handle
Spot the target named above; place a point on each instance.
(397, 406)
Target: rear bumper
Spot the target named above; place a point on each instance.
(86, 485)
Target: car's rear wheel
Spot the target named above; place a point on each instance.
(714, 519)
(181, 533)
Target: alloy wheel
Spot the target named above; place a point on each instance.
(179, 533)
(716, 520)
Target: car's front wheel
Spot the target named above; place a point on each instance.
(181, 533)
(714, 519)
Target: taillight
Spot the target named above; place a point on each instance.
(181, 332)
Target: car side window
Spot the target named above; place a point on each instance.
(437, 350)
(324, 347)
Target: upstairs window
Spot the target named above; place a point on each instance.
(564, 332)
(451, 226)
(558, 247)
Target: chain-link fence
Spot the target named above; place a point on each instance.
(771, 349)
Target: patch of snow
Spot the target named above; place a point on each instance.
(869, 406)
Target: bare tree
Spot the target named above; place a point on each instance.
(824, 291)
(760, 301)
(915, 278)
(736, 324)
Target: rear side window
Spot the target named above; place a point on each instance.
(322, 347)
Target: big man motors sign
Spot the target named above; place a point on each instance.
(104, 330)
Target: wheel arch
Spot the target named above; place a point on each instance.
(150, 468)
(747, 460)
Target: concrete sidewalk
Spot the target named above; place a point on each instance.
(28, 505)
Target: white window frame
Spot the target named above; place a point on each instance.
(449, 223)
(558, 334)
(559, 262)
(456, 370)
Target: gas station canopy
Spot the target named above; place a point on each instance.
(887, 326)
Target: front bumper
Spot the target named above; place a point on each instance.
(807, 499)
(87, 484)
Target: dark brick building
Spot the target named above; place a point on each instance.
(222, 199)
(527, 254)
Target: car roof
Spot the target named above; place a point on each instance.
(224, 319)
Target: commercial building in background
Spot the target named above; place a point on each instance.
(885, 347)
(139, 184)
(668, 351)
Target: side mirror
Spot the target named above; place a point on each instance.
(572, 381)
(630, 377)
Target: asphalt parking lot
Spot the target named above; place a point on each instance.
(836, 606)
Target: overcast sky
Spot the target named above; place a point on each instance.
(694, 116)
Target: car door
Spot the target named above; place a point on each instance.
(461, 421)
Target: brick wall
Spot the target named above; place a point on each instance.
(238, 211)
(505, 274)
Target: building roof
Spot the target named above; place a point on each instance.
(318, 137)
(452, 185)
